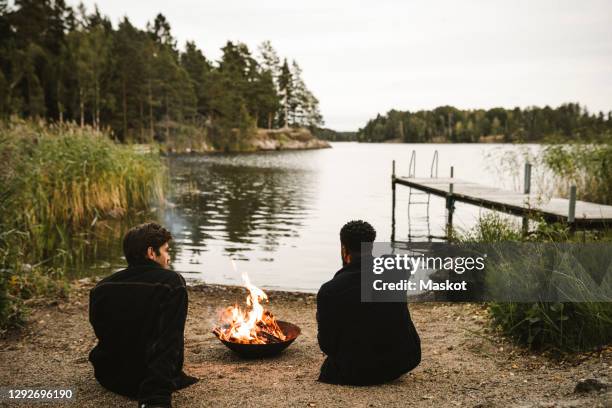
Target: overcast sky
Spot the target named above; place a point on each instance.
(361, 58)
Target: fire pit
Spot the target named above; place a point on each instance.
(256, 350)
(254, 332)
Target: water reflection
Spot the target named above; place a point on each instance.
(99, 251)
(243, 204)
(278, 214)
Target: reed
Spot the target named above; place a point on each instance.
(570, 326)
(58, 182)
(588, 166)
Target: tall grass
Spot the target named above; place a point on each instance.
(557, 166)
(57, 183)
(543, 325)
(588, 166)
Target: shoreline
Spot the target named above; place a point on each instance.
(464, 362)
(237, 152)
(261, 140)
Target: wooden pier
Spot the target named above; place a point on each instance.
(576, 213)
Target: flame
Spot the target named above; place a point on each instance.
(254, 325)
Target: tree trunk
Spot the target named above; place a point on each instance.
(124, 111)
(167, 120)
(142, 121)
(269, 120)
(82, 107)
(286, 116)
(60, 107)
(97, 120)
(151, 129)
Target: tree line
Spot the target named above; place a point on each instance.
(69, 64)
(334, 135)
(449, 124)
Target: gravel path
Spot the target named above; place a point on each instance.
(463, 363)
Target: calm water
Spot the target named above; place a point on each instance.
(278, 214)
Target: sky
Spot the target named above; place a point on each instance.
(361, 58)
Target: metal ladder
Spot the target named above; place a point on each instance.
(413, 197)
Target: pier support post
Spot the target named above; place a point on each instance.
(526, 190)
(450, 207)
(393, 202)
(571, 216)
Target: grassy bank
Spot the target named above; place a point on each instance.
(560, 326)
(58, 182)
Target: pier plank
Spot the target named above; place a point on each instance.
(555, 209)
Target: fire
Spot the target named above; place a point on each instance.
(253, 325)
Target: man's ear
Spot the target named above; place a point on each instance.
(151, 253)
(346, 255)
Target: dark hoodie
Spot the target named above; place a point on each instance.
(365, 343)
(138, 315)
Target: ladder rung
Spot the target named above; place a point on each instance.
(418, 202)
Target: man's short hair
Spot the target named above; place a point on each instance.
(138, 240)
(353, 233)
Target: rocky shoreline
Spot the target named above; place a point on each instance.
(287, 139)
(260, 141)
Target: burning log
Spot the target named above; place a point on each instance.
(270, 338)
(254, 325)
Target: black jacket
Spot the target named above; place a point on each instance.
(365, 343)
(138, 315)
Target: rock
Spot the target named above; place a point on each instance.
(590, 384)
(286, 139)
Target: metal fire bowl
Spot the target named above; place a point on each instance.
(269, 349)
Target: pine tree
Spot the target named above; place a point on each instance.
(304, 106)
(69, 64)
(285, 88)
(270, 72)
(267, 99)
(297, 102)
(198, 68)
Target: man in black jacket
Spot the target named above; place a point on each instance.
(365, 343)
(138, 315)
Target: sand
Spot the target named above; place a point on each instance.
(464, 362)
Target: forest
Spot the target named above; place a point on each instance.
(65, 64)
(570, 122)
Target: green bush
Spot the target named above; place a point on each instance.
(559, 326)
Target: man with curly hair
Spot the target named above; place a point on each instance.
(138, 315)
(365, 343)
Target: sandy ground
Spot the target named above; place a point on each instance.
(463, 364)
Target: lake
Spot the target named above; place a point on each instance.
(278, 214)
